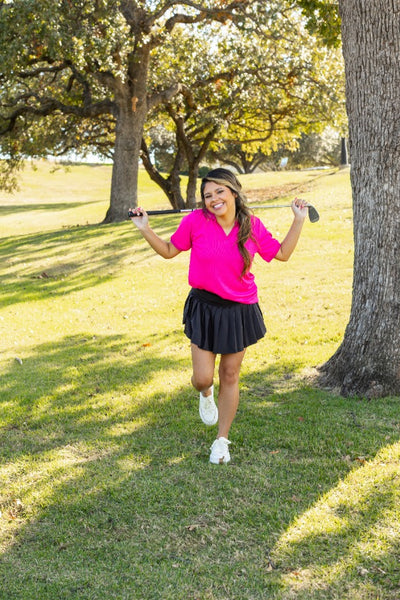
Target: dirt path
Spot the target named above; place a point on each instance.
(274, 192)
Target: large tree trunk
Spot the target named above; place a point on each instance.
(124, 181)
(368, 360)
(132, 108)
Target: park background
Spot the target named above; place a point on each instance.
(106, 489)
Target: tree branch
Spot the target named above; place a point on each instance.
(164, 96)
(49, 105)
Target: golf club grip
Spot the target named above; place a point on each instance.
(169, 211)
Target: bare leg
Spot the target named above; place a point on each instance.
(203, 363)
(228, 398)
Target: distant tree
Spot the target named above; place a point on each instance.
(252, 90)
(298, 89)
(192, 117)
(75, 75)
(162, 147)
(317, 149)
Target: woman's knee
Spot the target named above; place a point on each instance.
(229, 368)
(201, 381)
(229, 375)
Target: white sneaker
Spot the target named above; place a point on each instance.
(208, 409)
(220, 451)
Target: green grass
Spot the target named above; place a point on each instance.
(105, 486)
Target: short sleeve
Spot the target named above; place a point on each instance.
(267, 246)
(182, 238)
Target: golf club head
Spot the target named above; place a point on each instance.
(313, 214)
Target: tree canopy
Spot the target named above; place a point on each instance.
(86, 75)
(249, 92)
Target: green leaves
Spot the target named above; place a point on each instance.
(322, 19)
(246, 71)
(260, 85)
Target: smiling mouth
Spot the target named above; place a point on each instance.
(218, 205)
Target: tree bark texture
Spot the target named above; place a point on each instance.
(367, 363)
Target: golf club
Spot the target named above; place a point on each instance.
(312, 212)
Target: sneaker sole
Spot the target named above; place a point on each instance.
(220, 462)
(209, 422)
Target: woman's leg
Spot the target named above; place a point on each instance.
(228, 398)
(203, 363)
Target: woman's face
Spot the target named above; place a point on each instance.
(219, 199)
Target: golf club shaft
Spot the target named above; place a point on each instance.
(170, 211)
(312, 212)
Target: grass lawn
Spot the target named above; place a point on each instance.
(105, 487)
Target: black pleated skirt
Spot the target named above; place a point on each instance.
(221, 326)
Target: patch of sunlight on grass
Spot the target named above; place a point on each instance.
(354, 527)
(129, 464)
(127, 428)
(35, 479)
(176, 460)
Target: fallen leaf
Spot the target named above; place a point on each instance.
(62, 546)
(270, 565)
(194, 526)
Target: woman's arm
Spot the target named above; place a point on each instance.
(299, 208)
(162, 247)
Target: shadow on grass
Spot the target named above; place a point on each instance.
(118, 498)
(57, 263)
(53, 207)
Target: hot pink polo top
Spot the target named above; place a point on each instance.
(215, 261)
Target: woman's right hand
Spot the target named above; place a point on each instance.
(142, 219)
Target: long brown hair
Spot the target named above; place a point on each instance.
(243, 213)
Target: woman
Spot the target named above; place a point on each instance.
(221, 313)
